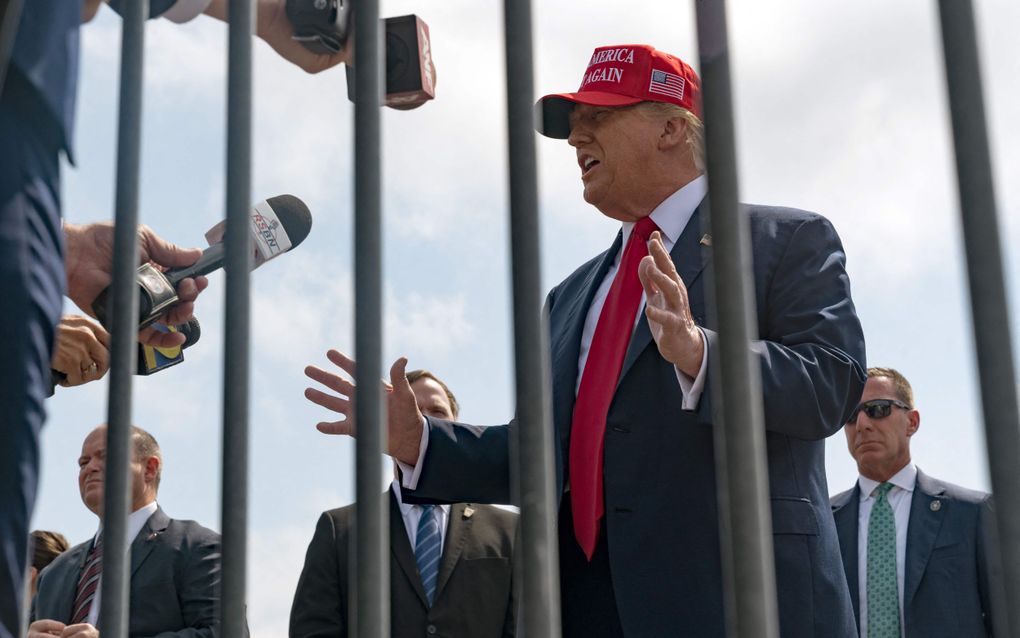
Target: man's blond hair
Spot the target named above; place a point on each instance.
(903, 390)
(695, 128)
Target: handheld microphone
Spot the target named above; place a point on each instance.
(278, 224)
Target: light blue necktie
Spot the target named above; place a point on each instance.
(883, 589)
(427, 550)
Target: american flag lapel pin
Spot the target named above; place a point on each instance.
(706, 240)
(468, 511)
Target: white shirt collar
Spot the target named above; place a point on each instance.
(136, 521)
(673, 213)
(904, 479)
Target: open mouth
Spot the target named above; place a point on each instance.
(587, 164)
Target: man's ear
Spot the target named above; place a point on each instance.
(674, 133)
(914, 422)
(152, 468)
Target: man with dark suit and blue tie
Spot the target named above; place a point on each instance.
(42, 258)
(915, 549)
(175, 565)
(638, 527)
(451, 566)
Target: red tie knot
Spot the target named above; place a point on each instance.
(645, 227)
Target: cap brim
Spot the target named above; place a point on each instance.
(552, 112)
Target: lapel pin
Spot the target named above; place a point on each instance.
(935, 505)
(468, 511)
(706, 240)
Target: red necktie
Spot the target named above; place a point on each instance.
(598, 384)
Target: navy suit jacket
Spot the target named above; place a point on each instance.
(44, 62)
(946, 589)
(659, 468)
(175, 580)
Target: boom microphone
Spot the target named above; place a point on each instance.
(278, 224)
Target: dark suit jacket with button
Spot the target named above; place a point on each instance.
(473, 593)
(175, 576)
(946, 588)
(659, 467)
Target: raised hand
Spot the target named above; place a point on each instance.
(668, 310)
(404, 418)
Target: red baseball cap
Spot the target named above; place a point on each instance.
(621, 75)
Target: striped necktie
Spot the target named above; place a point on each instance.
(883, 590)
(427, 550)
(85, 592)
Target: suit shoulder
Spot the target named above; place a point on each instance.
(578, 274)
(494, 522)
(188, 532)
(67, 559)
(498, 515)
(339, 516)
(960, 493)
(782, 220)
(841, 499)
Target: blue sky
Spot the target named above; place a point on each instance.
(841, 110)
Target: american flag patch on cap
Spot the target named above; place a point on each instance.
(667, 84)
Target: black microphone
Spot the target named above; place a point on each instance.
(278, 224)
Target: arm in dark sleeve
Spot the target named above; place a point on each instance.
(317, 608)
(156, 7)
(811, 345)
(464, 463)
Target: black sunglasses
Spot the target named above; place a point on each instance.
(877, 409)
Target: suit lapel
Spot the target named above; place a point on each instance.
(922, 530)
(566, 346)
(847, 515)
(457, 531)
(144, 543)
(68, 584)
(403, 553)
(690, 258)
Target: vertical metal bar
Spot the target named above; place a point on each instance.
(113, 610)
(371, 538)
(532, 468)
(987, 287)
(744, 512)
(237, 316)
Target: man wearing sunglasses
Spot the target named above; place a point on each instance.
(914, 547)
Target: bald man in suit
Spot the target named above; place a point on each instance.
(175, 565)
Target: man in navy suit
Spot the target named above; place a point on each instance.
(639, 535)
(41, 259)
(930, 576)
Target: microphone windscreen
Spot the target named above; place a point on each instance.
(293, 215)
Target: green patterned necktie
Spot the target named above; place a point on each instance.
(883, 591)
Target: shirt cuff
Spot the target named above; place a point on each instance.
(409, 474)
(185, 10)
(692, 388)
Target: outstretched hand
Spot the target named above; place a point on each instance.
(404, 417)
(668, 310)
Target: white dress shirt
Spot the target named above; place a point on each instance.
(899, 497)
(412, 515)
(671, 216)
(136, 521)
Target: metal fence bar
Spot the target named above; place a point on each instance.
(371, 538)
(744, 511)
(113, 610)
(237, 320)
(533, 464)
(989, 305)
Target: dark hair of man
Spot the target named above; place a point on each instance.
(903, 390)
(46, 546)
(415, 375)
